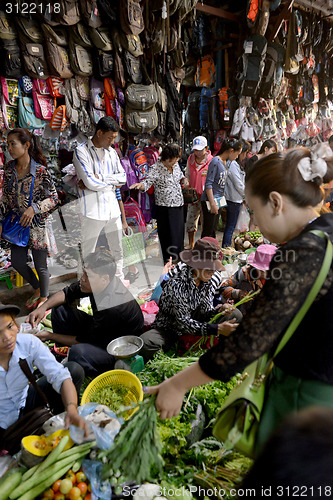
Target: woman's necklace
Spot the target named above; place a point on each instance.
(22, 171)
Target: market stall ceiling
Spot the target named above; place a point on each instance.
(325, 7)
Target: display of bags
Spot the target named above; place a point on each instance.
(141, 122)
(238, 421)
(34, 60)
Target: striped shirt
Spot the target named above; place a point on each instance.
(101, 171)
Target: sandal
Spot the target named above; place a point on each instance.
(32, 303)
(131, 277)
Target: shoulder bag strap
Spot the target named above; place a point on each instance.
(326, 265)
(31, 377)
(31, 189)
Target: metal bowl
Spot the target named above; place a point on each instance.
(125, 347)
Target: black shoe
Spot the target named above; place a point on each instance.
(131, 277)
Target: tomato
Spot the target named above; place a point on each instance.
(49, 494)
(80, 476)
(88, 497)
(71, 475)
(82, 487)
(65, 486)
(59, 495)
(74, 493)
(56, 485)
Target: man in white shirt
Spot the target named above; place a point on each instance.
(99, 171)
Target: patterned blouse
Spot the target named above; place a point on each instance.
(167, 188)
(185, 308)
(15, 198)
(293, 271)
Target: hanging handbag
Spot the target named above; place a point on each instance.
(12, 230)
(29, 424)
(238, 421)
(190, 195)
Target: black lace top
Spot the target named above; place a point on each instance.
(309, 353)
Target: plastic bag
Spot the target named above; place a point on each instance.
(104, 438)
(93, 471)
(243, 220)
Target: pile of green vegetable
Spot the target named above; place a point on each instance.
(113, 396)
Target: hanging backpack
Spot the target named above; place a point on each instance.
(27, 115)
(81, 59)
(83, 87)
(96, 100)
(252, 12)
(34, 60)
(107, 12)
(103, 63)
(132, 65)
(224, 111)
(141, 97)
(139, 161)
(152, 155)
(158, 37)
(101, 38)
(131, 175)
(29, 31)
(133, 211)
(192, 119)
(253, 62)
(57, 51)
(7, 29)
(141, 122)
(173, 119)
(80, 34)
(9, 101)
(59, 120)
(11, 60)
(69, 13)
(72, 101)
(119, 73)
(26, 84)
(90, 13)
(131, 43)
(131, 18)
(162, 98)
(110, 96)
(205, 97)
(205, 73)
(273, 71)
(56, 86)
(42, 99)
(201, 36)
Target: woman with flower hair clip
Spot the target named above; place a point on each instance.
(284, 190)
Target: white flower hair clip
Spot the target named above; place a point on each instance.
(315, 166)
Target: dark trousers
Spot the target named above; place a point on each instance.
(94, 359)
(210, 222)
(233, 210)
(170, 229)
(34, 399)
(19, 263)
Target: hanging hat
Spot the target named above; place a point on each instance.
(204, 255)
(261, 258)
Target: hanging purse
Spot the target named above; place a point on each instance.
(238, 421)
(12, 230)
(31, 423)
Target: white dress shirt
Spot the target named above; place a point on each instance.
(14, 384)
(98, 201)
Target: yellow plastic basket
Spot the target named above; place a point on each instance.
(113, 378)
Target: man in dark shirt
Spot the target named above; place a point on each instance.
(115, 313)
